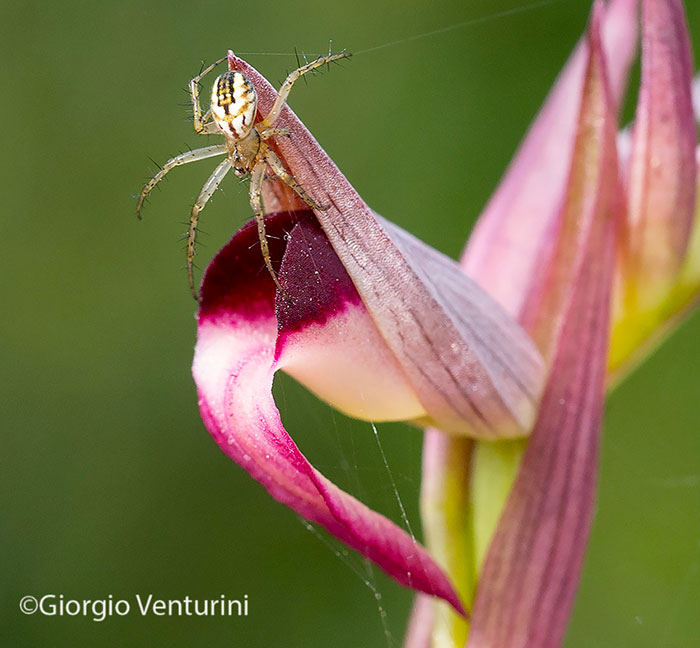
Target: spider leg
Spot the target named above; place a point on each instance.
(199, 125)
(274, 132)
(287, 86)
(286, 177)
(256, 180)
(183, 158)
(209, 126)
(208, 189)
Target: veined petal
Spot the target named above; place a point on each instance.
(527, 586)
(593, 189)
(482, 382)
(234, 364)
(503, 251)
(662, 172)
(636, 335)
(532, 568)
(518, 235)
(655, 286)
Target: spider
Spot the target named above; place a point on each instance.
(232, 114)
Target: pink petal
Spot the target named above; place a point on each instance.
(470, 379)
(420, 624)
(662, 168)
(532, 569)
(517, 234)
(504, 250)
(338, 354)
(696, 98)
(233, 369)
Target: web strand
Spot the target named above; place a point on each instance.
(435, 32)
(466, 23)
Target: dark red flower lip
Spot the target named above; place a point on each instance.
(242, 332)
(236, 280)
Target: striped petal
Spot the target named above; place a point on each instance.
(662, 171)
(518, 235)
(532, 567)
(503, 251)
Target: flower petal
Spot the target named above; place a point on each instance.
(504, 249)
(514, 239)
(689, 280)
(420, 624)
(233, 369)
(327, 340)
(468, 383)
(636, 335)
(662, 170)
(655, 288)
(532, 568)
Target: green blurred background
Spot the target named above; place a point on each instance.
(110, 484)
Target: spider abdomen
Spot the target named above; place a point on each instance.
(233, 104)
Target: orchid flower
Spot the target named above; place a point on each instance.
(502, 357)
(374, 322)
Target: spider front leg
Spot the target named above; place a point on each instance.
(256, 179)
(199, 125)
(183, 158)
(286, 177)
(286, 87)
(208, 125)
(210, 186)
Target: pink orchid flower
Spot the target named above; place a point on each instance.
(375, 322)
(512, 344)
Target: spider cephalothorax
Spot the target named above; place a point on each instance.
(232, 114)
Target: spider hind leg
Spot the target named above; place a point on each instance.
(286, 177)
(256, 180)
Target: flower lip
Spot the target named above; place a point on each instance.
(234, 367)
(327, 339)
(234, 282)
(311, 300)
